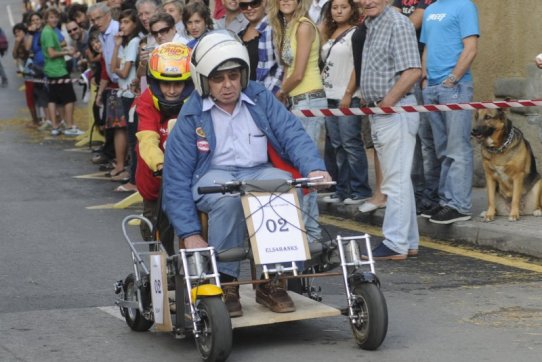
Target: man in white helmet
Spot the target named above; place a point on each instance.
(222, 134)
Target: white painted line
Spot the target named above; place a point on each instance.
(10, 15)
(112, 310)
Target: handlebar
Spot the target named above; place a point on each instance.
(276, 185)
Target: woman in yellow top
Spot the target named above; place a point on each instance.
(297, 40)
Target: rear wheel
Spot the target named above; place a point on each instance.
(133, 316)
(370, 308)
(215, 340)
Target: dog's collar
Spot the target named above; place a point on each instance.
(514, 133)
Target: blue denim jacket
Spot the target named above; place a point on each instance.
(191, 144)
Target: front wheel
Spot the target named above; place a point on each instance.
(371, 314)
(133, 316)
(215, 339)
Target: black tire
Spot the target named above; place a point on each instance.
(370, 307)
(134, 318)
(215, 340)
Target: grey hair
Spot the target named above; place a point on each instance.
(141, 2)
(102, 7)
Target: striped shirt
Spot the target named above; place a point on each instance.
(390, 48)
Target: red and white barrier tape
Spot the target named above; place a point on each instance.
(55, 81)
(417, 109)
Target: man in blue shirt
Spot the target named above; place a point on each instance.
(450, 33)
(222, 134)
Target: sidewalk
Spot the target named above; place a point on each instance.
(523, 236)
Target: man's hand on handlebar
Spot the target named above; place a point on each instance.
(195, 241)
(324, 174)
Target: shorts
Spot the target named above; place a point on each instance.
(41, 95)
(61, 93)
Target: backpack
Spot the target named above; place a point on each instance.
(4, 44)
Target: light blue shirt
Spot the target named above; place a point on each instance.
(445, 24)
(239, 142)
(108, 44)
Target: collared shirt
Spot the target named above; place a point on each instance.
(108, 44)
(239, 142)
(390, 48)
(315, 10)
(82, 44)
(269, 71)
(236, 25)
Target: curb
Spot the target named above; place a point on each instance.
(522, 237)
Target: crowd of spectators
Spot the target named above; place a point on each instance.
(309, 53)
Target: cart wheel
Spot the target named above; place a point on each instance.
(372, 316)
(215, 340)
(133, 316)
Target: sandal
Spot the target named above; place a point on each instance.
(120, 176)
(124, 188)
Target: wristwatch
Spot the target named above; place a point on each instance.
(452, 78)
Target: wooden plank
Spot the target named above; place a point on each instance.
(255, 314)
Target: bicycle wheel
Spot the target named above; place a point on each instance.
(133, 316)
(372, 315)
(214, 342)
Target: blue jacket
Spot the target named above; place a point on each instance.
(191, 144)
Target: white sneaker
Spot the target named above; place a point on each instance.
(45, 125)
(55, 132)
(62, 125)
(74, 131)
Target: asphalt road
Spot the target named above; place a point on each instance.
(59, 260)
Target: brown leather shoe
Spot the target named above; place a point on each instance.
(274, 297)
(231, 299)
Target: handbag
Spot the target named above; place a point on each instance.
(114, 111)
(322, 62)
(4, 44)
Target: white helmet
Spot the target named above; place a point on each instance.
(218, 50)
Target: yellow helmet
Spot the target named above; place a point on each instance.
(169, 62)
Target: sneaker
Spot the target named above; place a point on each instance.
(231, 297)
(74, 131)
(62, 125)
(368, 206)
(448, 215)
(45, 125)
(382, 252)
(354, 200)
(273, 296)
(55, 132)
(428, 212)
(332, 199)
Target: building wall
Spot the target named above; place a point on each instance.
(511, 37)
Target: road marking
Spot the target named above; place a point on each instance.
(112, 310)
(10, 15)
(513, 262)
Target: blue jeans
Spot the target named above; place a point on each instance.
(345, 137)
(425, 167)
(227, 226)
(451, 134)
(313, 127)
(394, 138)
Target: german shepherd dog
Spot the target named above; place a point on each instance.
(514, 186)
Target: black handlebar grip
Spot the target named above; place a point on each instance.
(212, 189)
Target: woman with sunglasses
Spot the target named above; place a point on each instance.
(298, 42)
(162, 28)
(258, 39)
(123, 65)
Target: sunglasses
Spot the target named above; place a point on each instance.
(253, 4)
(162, 31)
(72, 30)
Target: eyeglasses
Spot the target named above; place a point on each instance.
(98, 18)
(232, 75)
(162, 31)
(73, 30)
(253, 4)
